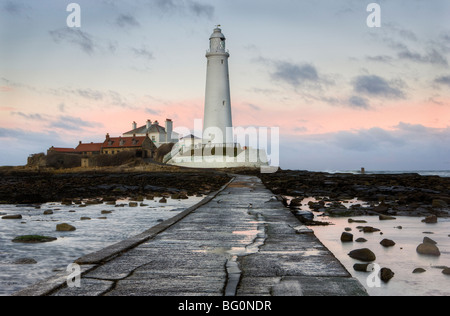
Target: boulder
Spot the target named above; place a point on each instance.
(428, 249)
(133, 204)
(85, 219)
(363, 267)
(25, 261)
(163, 200)
(361, 240)
(65, 228)
(296, 203)
(106, 212)
(386, 274)
(365, 255)
(48, 212)
(386, 218)
(387, 243)
(419, 270)
(446, 271)
(304, 216)
(369, 229)
(12, 217)
(427, 240)
(350, 220)
(346, 237)
(33, 239)
(430, 219)
(439, 204)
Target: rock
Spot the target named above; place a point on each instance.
(304, 216)
(386, 274)
(85, 219)
(363, 267)
(387, 243)
(133, 204)
(102, 217)
(25, 261)
(296, 203)
(163, 200)
(419, 270)
(65, 228)
(369, 229)
(302, 230)
(439, 204)
(428, 249)
(398, 227)
(48, 212)
(427, 240)
(346, 237)
(350, 220)
(446, 271)
(106, 212)
(33, 239)
(430, 219)
(12, 217)
(365, 255)
(386, 218)
(348, 229)
(361, 240)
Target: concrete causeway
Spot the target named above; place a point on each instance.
(240, 241)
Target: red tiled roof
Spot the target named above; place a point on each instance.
(89, 147)
(121, 142)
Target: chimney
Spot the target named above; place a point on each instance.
(80, 142)
(169, 130)
(149, 124)
(107, 136)
(134, 126)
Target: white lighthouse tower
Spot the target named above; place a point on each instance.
(217, 123)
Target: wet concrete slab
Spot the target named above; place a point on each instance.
(241, 241)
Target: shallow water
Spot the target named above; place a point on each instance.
(90, 235)
(402, 259)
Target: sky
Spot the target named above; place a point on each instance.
(344, 95)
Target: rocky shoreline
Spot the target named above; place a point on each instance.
(386, 194)
(26, 187)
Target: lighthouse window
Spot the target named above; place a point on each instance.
(223, 102)
(222, 61)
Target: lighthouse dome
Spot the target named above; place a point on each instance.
(217, 34)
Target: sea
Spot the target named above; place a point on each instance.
(440, 173)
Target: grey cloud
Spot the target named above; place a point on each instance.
(152, 112)
(34, 116)
(376, 86)
(444, 80)
(253, 107)
(295, 75)
(431, 57)
(200, 9)
(73, 123)
(143, 52)
(358, 102)
(14, 7)
(89, 94)
(76, 37)
(186, 7)
(127, 20)
(380, 58)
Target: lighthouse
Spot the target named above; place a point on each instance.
(217, 123)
